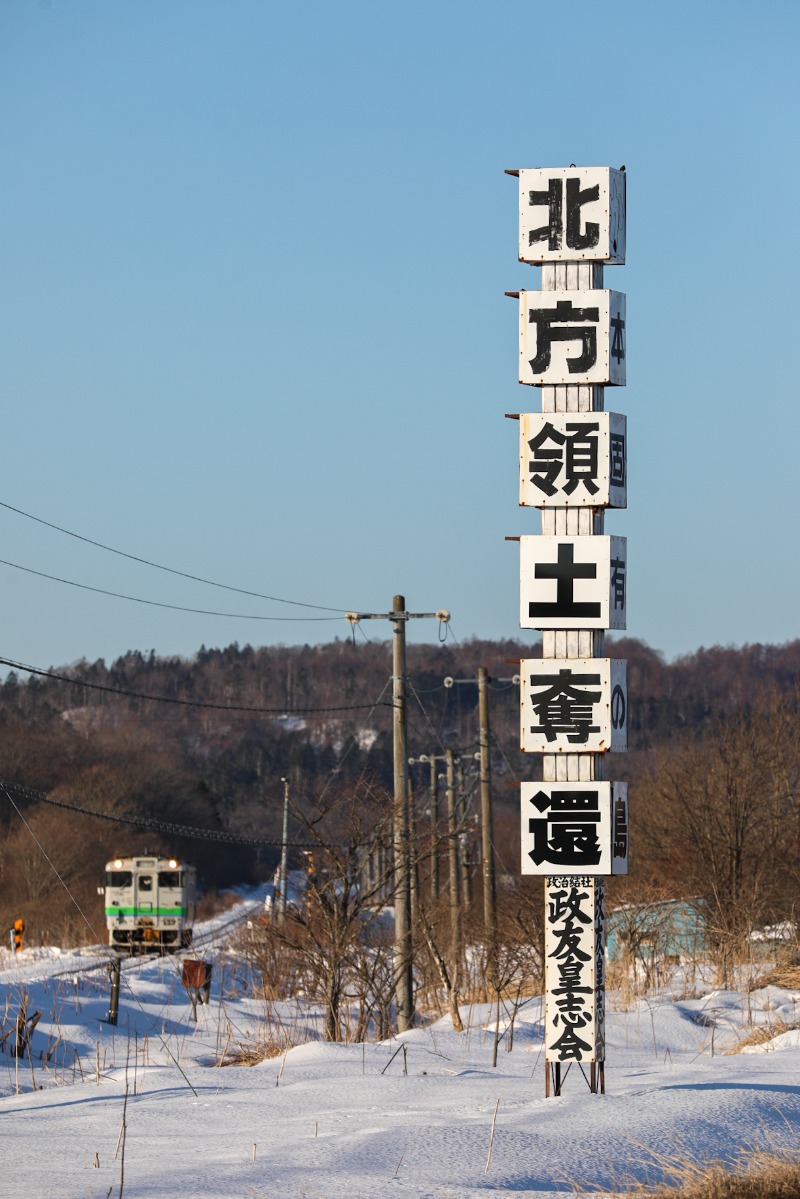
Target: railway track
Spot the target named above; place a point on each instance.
(205, 941)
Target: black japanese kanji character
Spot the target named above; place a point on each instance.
(565, 571)
(618, 582)
(553, 231)
(568, 945)
(620, 843)
(617, 707)
(570, 976)
(570, 1046)
(572, 1003)
(575, 452)
(567, 320)
(565, 904)
(564, 707)
(617, 341)
(567, 836)
(617, 472)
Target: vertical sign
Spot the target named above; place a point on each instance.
(572, 214)
(574, 957)
(573, 461)
(578, 828)
(573, 466)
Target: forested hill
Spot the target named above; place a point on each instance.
(317, 715)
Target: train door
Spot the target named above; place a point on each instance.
(145, 892)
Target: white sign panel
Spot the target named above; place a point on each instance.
(572, 582)
(573, 999)
(573, 460)
(572, 337)
(619, 839)
(572, 214)
(573, 705)
(567, 827)
(600, 971)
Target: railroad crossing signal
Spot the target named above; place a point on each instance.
(16, 934)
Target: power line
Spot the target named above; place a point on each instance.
(149, 823)
(157, 566)
(354, 740)
(157, 603)
(186, 703)
(153, 825)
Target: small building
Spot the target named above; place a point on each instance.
(667, 930)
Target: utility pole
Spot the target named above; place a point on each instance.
(487, 829)
(453, 855)
(464, 856)
(284, 850)
(403, 950)
(487, 822)
(434, 789)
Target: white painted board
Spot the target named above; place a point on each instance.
(572, 582)
(572, 214)
(573, 705)
(573, 931)
(599, 970)
(573, 460)
(566, 828)
(570, 337)
(620, 837)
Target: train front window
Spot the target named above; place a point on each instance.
(118, 878)
(145, 882)
(170, 878)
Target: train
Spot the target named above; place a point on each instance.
(150, 904)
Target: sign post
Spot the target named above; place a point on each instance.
(573, 586)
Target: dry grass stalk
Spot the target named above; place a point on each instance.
(762, 1034)
(772, 1173)
(787, 977)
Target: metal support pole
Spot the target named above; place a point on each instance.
(284, 850)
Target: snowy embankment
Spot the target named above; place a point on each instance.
(411, 1116)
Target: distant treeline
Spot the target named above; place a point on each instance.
(317, 715)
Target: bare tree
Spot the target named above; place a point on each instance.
(727, 824)
(331, 937)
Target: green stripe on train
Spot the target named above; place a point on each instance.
(138, 912)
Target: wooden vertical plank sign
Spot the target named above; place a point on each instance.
(573, 586)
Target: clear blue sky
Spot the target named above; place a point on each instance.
(252, 323)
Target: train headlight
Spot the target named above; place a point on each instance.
(118, 862)
(173, 862)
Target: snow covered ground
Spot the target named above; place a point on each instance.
(363, 1121)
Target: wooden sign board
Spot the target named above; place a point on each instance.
(572, 582)
(573, 460)
(572, 214)
(574, 968)
(572, 337)
(573, 705)
(574, 828)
